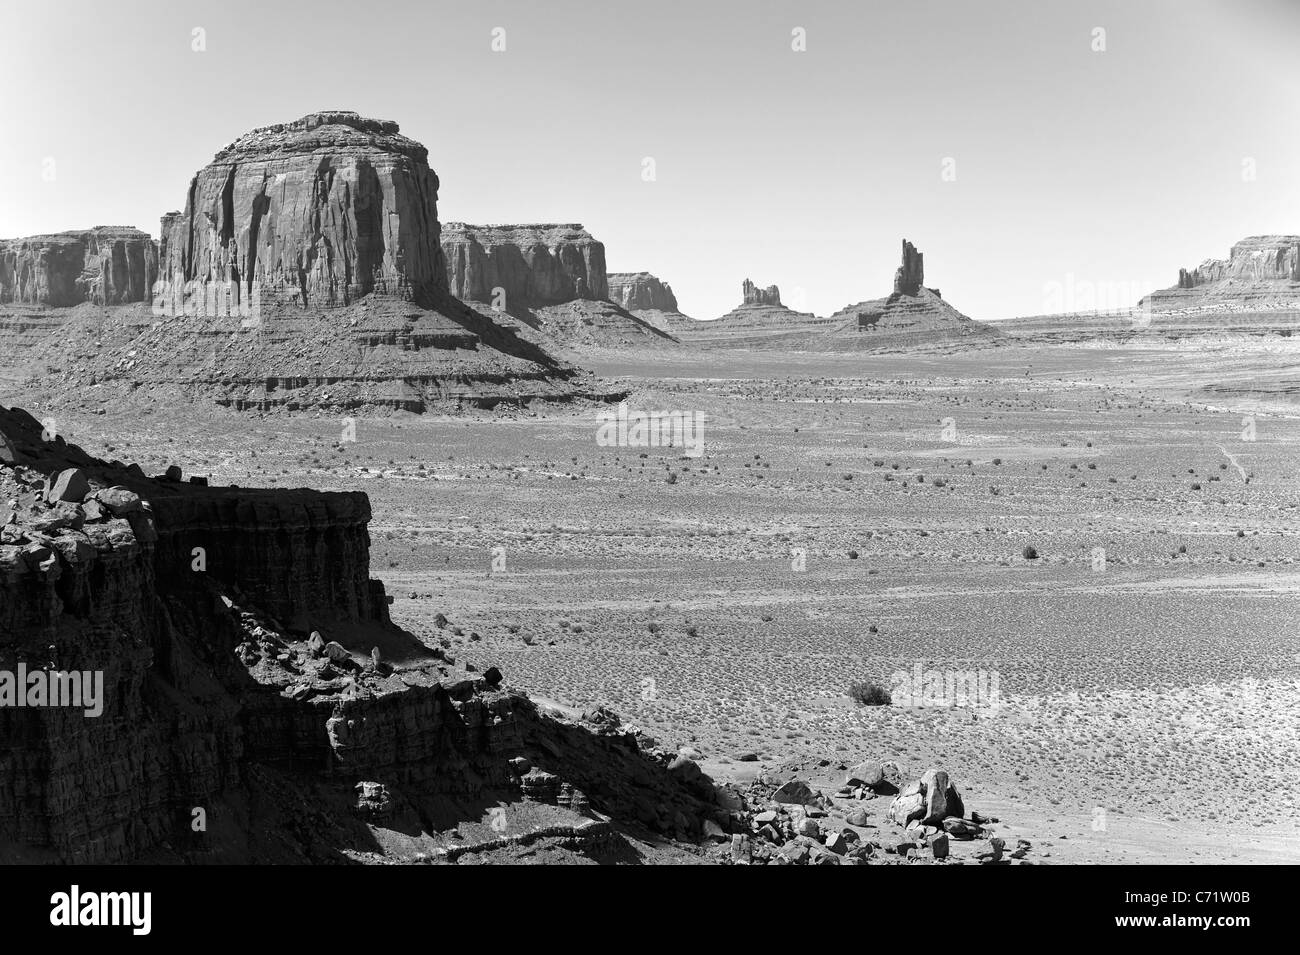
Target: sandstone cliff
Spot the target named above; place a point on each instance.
(641, 290)
(912, 315)
(250, 670)
(106, 265)
(751, 294)
(535, 265)
(320, 211)
(911, 274)
(304, 272)
(1261, 273)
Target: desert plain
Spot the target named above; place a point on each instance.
(1102, 532)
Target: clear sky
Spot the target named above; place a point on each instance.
(1089, 169)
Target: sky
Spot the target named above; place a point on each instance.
(1039, 164)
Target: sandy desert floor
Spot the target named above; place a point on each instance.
(1147, 662)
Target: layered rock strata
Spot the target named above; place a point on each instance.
(1261, 273)
(106, 265)
(250, 676)
(319, 211)
(304, 272)
(641, 290)
(753, 295)
(532, 265)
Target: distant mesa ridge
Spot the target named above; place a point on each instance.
(1261, 271)
(535, 265)
(641, 290)
(106, 265)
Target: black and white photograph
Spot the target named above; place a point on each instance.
(713, 433)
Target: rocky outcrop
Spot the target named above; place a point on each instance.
(1261, 273)
(106, 265)
(304, 272)
(640, 290)
(248, 674)
(535, 265)
(911, 274)
(320, 211)
(911, 315)
(753, 295)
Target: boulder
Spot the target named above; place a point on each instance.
(941, 797)
(70, 485)
(939, 845)
(337, 653)
(795, 792)
(869, 774)
(119, 501)
(906, 807)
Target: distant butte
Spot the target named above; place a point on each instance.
(1261, 272)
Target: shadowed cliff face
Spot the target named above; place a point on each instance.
(106, 265)
(250, 673)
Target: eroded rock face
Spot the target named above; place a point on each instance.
(320, 211)
(106, 265)
(911, 274)
(535, 265)
(753, 295)
(208, 613)
(1261, 273)
(640, 290)
(1261, 258)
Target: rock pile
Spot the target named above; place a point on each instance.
(795, 824)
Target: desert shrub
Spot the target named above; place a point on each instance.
(869, 694)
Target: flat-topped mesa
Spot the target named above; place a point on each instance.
(535, 264)
(753, 295)
(318, 212)
(641, 290)
(1261, 272)
(1260, 258)
(106, 265)
(910, 276)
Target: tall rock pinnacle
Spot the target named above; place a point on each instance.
(760, 296)
(911, 274)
